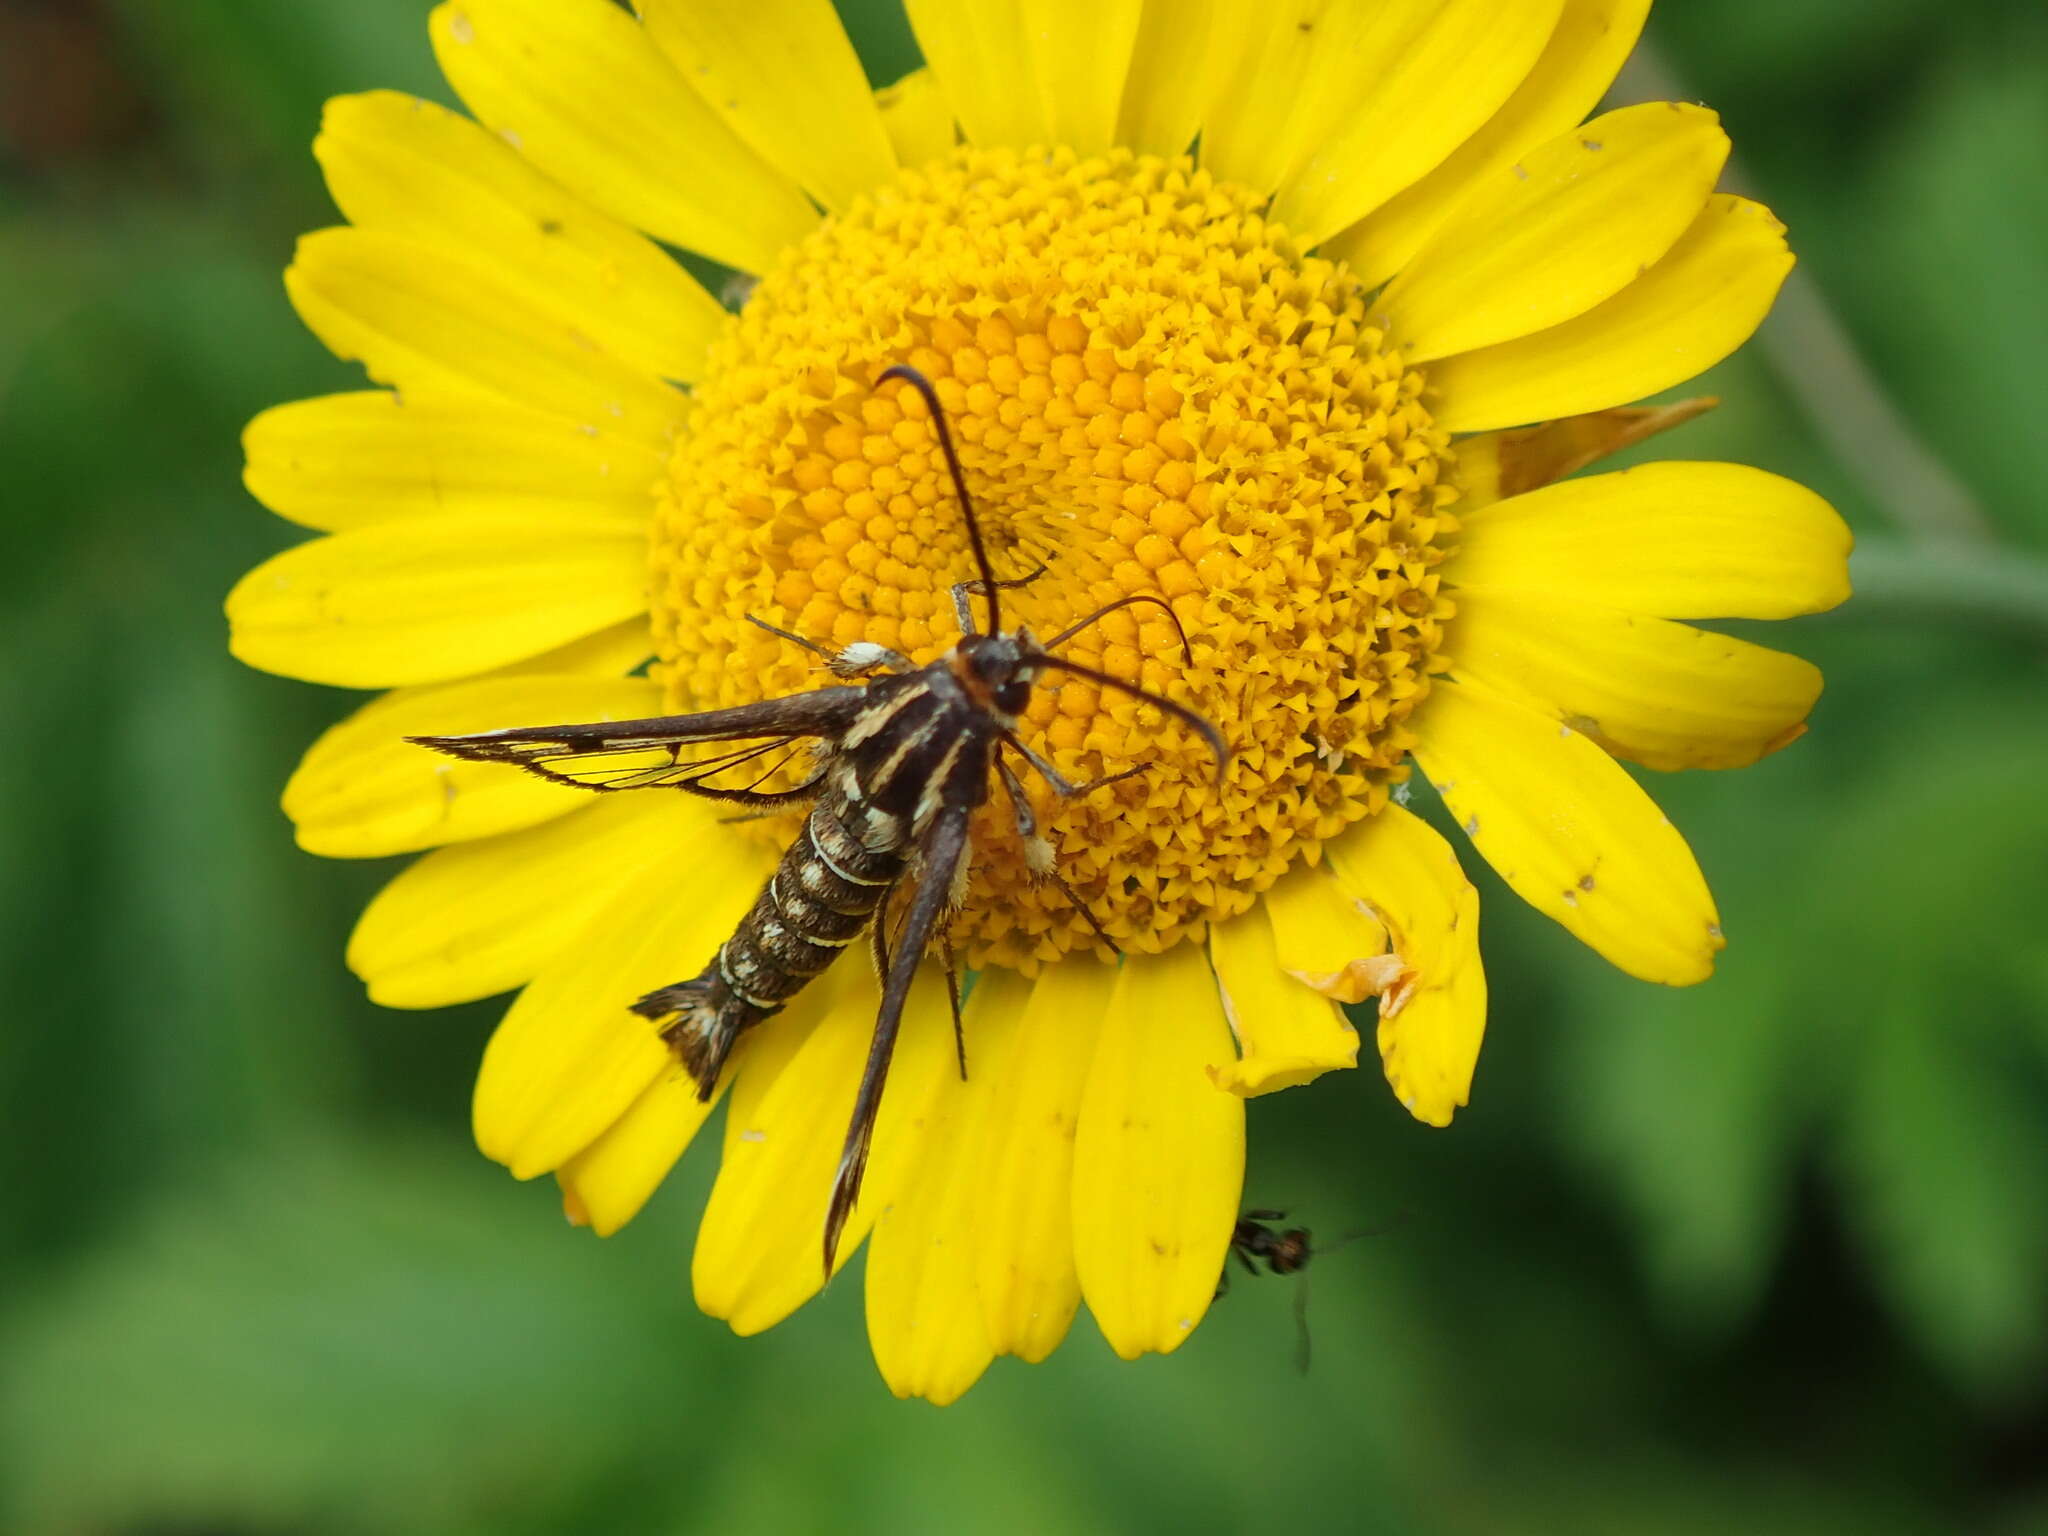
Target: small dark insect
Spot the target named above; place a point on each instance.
(898, 762)
(1285, 1253)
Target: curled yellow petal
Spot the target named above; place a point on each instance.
(1158, 1156)
(1283, 969)
(1433, 1014)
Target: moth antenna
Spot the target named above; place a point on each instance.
(1103, 612)
(923, 386)
(1187, 717)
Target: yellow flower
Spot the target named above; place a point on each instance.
(1284, 384)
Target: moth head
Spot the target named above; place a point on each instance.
(998, 670)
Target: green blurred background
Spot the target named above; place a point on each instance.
(1768, 1255)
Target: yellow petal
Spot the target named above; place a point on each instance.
(1661, 694)
(1281, 1007)
(1704, 299)
(1292, 76)
(1677, 540)
(918, 118)
(1433, 1017)
(1024, 1218)
(407, 167)
(577, 87)
(483, 917)
(346, 461)
(605, 1185)
(569, 1057)
(1080, 53)
(1564, 825)
(783, 76)
(1431, 87)
(422, 602)
(1571, 224)
(431, 323)
(1182, 51)
(978, 54)
(1587, 47)
(1493, 466)
(925, 1318)
(1158, 1155)
(364, 791)
(609, 653)
(760, 1248)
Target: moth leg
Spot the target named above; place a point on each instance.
(962, 590)
(1038, 855)
(862, 656)
(1062, 787)
(952, 964)
(946, 846)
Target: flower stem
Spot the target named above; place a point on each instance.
(1952, 582)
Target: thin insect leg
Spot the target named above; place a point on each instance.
(864, 656)
(1037, 851)
(878, 942)
(1301, 1346)
(962, 589)
(952, 964)
(1061, 787)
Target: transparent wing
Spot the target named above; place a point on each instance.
(757, 754)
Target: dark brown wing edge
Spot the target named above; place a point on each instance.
(947, 845)
(822, 712)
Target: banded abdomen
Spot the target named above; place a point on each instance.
(917, 745)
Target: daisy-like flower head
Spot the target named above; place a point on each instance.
(1292, 315)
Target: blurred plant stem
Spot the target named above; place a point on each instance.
(1949, 581)
(1812, 352)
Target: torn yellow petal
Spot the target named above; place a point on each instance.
(760, 1248)
(1283, 1009)
(605, 1185)
(346, 461)
(404, 603)
(483, 917)
(428, 322)
(363, 790)
(578, 88)
(1566, 827)
(1024, 1217)
(1657, 693)
(1701, 301)
(978, 54)
(1586, 48)
(918, 118)
(408, 167)
(1428, 88)
(1433, 1016)
(1569, 225)
(925, 1317)
(1493, 466)
(1677, 540)
(1158, 1155)
(785, 79)
(570, 1057)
